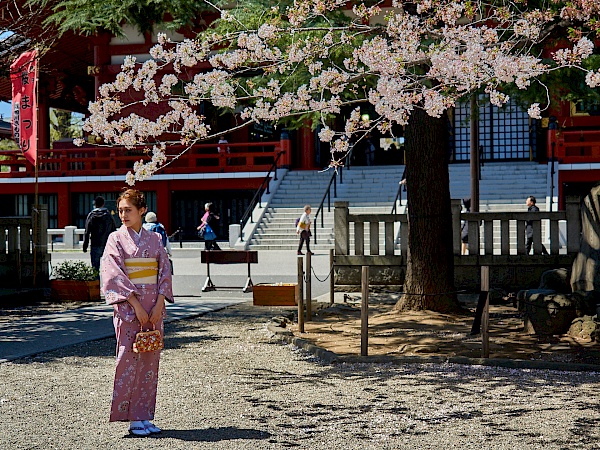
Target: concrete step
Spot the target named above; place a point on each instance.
(504, 187)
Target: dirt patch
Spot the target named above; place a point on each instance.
(426, 333)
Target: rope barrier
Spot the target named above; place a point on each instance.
(326, 278)
(381, 290)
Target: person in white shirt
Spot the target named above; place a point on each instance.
(303, 229)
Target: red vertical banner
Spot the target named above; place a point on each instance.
(23, 74)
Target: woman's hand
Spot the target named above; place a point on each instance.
(140, 312)
(157, 310)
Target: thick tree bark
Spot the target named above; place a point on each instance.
(429, 280)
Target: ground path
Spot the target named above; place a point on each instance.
(227, 383)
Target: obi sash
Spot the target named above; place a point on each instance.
(142, 270)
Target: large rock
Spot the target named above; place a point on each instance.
(586, 303)
(556, 280)
(584, 328)
(585, 274)
(523, 296)
(548, 312)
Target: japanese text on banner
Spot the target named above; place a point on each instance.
(23, 74)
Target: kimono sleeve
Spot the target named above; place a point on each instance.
(116, 285)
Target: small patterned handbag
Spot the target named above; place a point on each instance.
(148, 341)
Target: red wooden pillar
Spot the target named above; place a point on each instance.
(307, 157)
(101, 59)
(285, 146)
(43, 118)
(63, 192)
(552, 139)
(163, 204)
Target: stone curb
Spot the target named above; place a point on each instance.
(330, 357)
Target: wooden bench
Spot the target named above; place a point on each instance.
(228, 257)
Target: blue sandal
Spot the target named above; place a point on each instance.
(138, 430)
(150, 427)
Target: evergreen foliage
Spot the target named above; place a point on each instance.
(89, 16)
(74, 270)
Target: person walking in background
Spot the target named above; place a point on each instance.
(152, 224)
(136, 281)
(464, 228)
(530, 202)
(224, 149)
(303, 229)
(98, 226)
(369, 151)
(206, 229)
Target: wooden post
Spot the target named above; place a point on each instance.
(40, 245)
(331, 278)
(364, 312)
(308, 287)
(485, 320)
(300, 294)
(573, 224)
(342, 228)
(474, 160)
(455, 206)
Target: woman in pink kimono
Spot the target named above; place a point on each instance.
(136, 280)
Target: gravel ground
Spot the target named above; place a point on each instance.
(226, 383)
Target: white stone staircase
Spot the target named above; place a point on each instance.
(503, 187)
(502, 183)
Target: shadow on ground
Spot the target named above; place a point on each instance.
(427, 333)
(210, 434)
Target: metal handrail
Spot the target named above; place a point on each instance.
(398, 198)
(258, 196)
(327, 195)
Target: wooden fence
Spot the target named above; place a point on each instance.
(24, 253)
(496, 239)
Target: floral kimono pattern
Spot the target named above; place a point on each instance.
(136, 374)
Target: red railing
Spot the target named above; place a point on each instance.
(202, 158)
(574, 146)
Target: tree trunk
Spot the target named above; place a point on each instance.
(429, 280)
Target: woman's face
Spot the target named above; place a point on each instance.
(130, 215)
(206, 208)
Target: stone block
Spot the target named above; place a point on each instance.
(548, 312)
(584, 328)
(556, 280)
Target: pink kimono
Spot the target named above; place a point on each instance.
(136, 376)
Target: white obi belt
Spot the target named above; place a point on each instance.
(142, 270)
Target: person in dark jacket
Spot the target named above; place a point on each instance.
(98, 225)
(530, 202)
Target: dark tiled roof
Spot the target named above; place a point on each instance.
(5, 128)
(11, 43)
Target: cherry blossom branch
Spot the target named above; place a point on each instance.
(427, 54)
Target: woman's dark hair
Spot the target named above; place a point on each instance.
(136, 198)
(467, 203)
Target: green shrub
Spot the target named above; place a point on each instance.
(74, 270)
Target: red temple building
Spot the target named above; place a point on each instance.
(70, 177)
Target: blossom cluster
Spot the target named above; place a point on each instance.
(397, 59)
